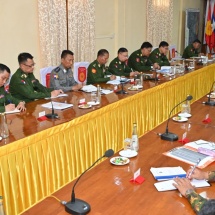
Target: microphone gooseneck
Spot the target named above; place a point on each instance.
(209, 102)
(170, 136)
(78, 206)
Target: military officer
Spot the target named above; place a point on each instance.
(192, 50)
(118, 66)
(139, 60)
(62, 76)
(97, 72)
(7, 101)
(24, 85)
(199, 204)
(159, 54)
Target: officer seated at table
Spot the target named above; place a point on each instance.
(159, 55)
(139, 59)
(118, 66)
(7, 101)
(192, 50)
(199, 204)
(24, 85)
(62, 76)
(97, 72)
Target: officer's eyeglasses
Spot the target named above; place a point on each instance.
(29, 66)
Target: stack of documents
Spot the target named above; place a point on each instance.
(57, 105)
(89, 88)
(168, 185)
(166, 173)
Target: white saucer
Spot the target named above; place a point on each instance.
(186, 115)
(180, 119)
(93, 103)
(85, 106)
(128, 153)
(119, 161)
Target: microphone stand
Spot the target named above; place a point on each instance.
(52, 115)
(209, 102)
(168, 135)
(78, 206)
(122, 91)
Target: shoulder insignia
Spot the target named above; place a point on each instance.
(94, 65)
(138, 59)
(116, 66)
(57, 69)
(93, 70)
(55, 76)
(22, 81)
(119, 62)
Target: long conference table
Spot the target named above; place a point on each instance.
(40, 158)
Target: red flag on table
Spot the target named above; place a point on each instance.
(82, 74)
(208, 28)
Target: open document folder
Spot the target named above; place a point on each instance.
(189, 153)
(57, 105)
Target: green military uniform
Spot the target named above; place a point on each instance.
(157, 57)
(119, 68)
(6, 98)
(26, 87)
(190, 51)
(200, 204)
(96, 73)
(138, 62)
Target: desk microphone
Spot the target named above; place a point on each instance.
(78, 206)
(209, 102)
(171, 136)
(51, 115)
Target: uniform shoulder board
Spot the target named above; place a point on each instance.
(57, 69)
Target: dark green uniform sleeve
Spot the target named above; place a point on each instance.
(119, 69)
(189, 52)
(28, 88)
(157, 57)
(95, 75)
(195, 200)
(11, 99)
(139, 64)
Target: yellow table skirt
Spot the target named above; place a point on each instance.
(34, 167)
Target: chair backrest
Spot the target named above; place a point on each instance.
(43, 74)
(172, 51)
(80, 72)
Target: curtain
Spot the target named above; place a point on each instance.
(52, 30)
(81, 29)
(159, 21)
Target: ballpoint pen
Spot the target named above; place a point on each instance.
(197, 163)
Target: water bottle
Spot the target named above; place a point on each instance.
(1, 206)
(4, 127)
(98, 94)
(135, 141)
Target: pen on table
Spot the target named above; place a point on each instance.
(194, 167)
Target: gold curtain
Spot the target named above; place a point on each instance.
(52, 30)
(81, 29)
(34, 167)
(159, 21)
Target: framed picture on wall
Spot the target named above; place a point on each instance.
(191, 25)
